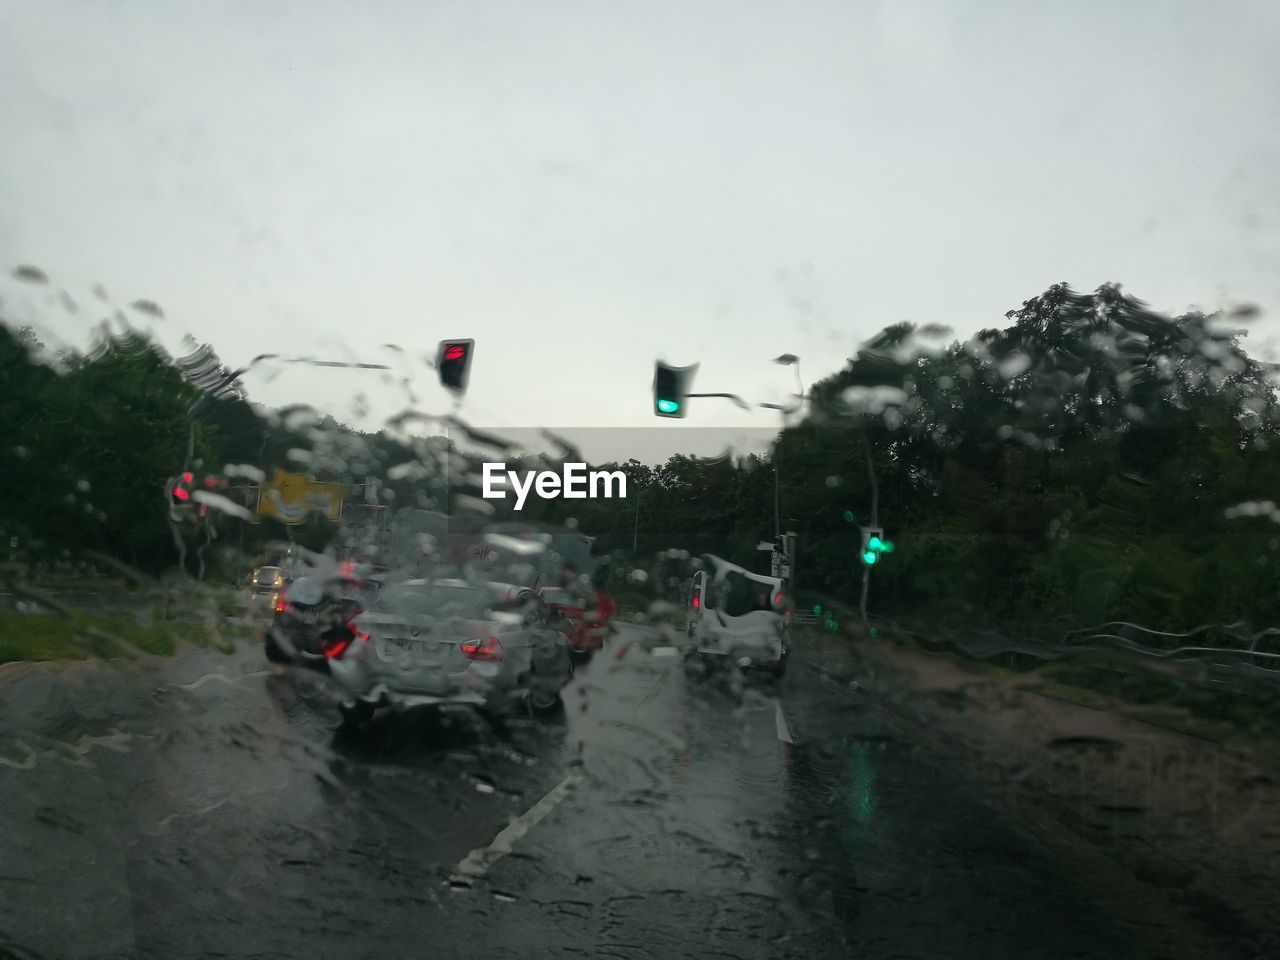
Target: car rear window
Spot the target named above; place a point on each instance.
(741, 595)
(435, 601)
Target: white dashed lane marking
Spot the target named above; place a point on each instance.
(478, 862)
(780, 719)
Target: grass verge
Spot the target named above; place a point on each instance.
(49, 636)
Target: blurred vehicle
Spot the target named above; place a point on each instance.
(313, 613)
(451, 642)
(739, 617)
(268, 579)
(577, 615)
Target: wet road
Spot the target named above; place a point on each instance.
(206, 807)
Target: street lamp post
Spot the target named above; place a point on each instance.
(787, 360)
(635, 529)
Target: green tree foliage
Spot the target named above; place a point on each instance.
(1075, 464)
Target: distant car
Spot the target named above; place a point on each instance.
(738, 616)
(268, 580)
(451, 642)
(312, 614)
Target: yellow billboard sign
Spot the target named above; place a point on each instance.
(293, 497)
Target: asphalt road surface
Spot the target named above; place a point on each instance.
(206, 807)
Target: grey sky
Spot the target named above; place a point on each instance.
(585, 186)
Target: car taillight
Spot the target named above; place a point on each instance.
(281, 602)
(334, 649)
(483, 646)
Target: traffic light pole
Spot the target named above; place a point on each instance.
(875, 522)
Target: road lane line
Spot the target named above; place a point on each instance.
(780, 720)
(478, 861)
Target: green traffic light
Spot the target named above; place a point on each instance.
(668, 406)
(870, 557)
(875, 543)
(817, 609)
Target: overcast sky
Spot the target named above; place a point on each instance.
(586, 186)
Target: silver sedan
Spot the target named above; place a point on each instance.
(448, 642)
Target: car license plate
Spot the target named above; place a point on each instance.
(418, 649)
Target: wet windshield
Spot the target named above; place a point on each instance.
(640, 481)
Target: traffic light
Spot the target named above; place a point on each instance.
(180, 490)
(453, 363)
(874, 544)
(670, 385)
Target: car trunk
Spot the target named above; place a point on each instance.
(420, 653)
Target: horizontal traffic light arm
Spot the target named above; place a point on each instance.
(728, 396)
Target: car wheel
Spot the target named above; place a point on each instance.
(544, 701)
(356, 715)
(272, 649)
(694, 665)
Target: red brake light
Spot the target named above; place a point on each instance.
(777, 599)
(483, 646)
(695, 603)
(281, 602)
(181, 494)
(334, 649)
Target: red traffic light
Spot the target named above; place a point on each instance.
(453, 364)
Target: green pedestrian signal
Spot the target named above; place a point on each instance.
(668, 406)
(874, 544)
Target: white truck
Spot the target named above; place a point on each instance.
(736, 616)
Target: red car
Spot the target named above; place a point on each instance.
(586, 627)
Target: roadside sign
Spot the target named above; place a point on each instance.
(780, 565)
